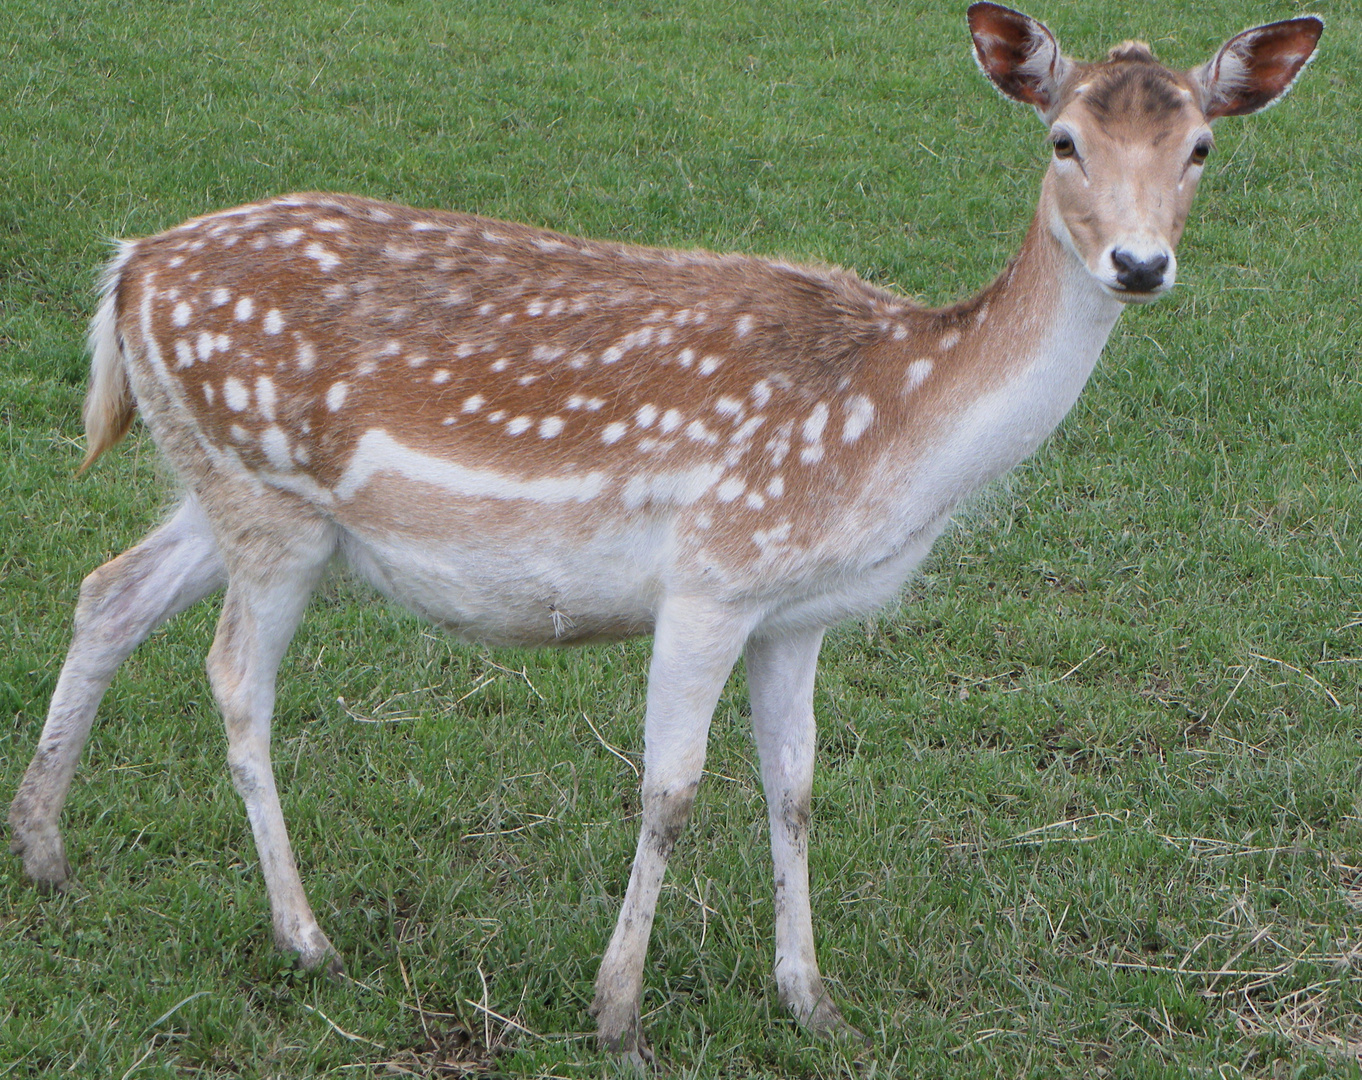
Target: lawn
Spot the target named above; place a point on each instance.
(1088, 799)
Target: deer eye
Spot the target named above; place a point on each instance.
(1201, 152)
(1064, 146)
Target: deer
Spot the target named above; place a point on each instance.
(533, 439)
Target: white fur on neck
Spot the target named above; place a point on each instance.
(1005, 426)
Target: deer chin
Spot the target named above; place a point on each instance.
(1131, 296)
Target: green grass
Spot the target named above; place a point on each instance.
(1088, 801)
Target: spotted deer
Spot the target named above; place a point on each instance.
(533, 439)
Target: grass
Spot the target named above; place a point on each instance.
(1087, 801)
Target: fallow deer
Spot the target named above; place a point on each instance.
(533, 439)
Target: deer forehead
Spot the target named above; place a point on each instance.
(1131, 101)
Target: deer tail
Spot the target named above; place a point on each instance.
(109, 403)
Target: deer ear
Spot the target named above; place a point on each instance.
(1255, 68)
(1018, 54)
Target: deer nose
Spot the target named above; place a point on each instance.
(1139, 273)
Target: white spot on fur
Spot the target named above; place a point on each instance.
(730, 407)
(697, 432)
(307, 356)
(761, 393)
(594, 404)
(336, 394)
(755, 501)
(949, 340)
(729, 489)
(775, 487)
(709, 365)
(518, 425)
(473, 404)
(440, 376)
(184, 354)
(550, 427)
(274, 322)
(180, 317)
(671, 420)
(860, 412)
(747, 429)
(203, 346)
(289, 237)
(330, 225)
(779, 445)
(645, 416)
(772, 541)
(219, 297)
(686, 357)
(815, 422)
(235, 394)
(275, 444)
(613, 433)
(743, 326)
(916, 375)
(209, 393)
(265, 396)
(244, 307)
(325, 260)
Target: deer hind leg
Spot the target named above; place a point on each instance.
(271, 577)
(120, 604)
(694, 647)
(780, 676)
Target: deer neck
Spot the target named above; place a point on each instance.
(992, 377)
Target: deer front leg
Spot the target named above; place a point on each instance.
(780, 676)
(695, 645)
(120, 604)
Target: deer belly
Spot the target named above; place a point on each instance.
(504, 585)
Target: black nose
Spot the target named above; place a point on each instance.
(1137, 274)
